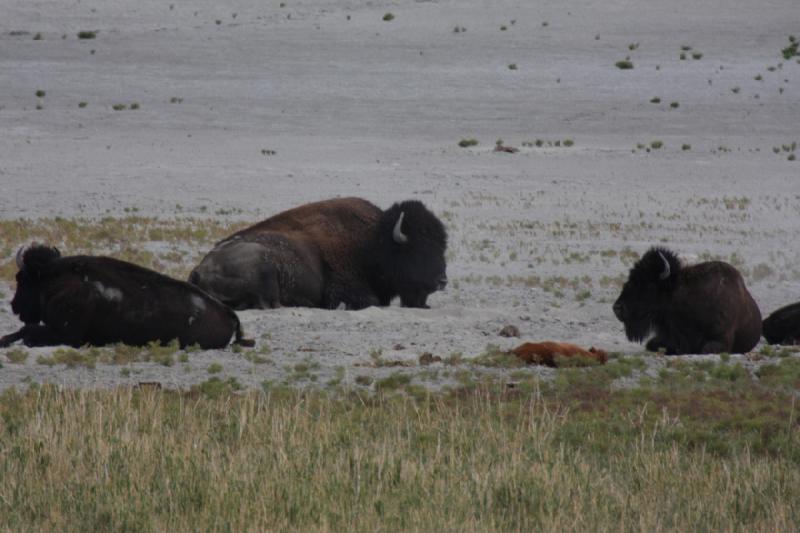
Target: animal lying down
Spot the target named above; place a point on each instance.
(783, 326)
(339, 253)
(546, 353)
(83, 300)
(702, 308)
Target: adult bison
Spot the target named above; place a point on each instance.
(340, 252)
(783, 326)
(82, 300)
(703, 308)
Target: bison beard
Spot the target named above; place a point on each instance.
(702, 308)
(546, 353)
(333, 253)
(99, 300)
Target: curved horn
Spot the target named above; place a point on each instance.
(20, 257)
(397, 234)
(665, 273)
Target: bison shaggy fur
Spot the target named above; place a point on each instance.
(82, 299)
(343, 252)
(702, 308)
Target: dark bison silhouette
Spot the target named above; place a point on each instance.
(783, 326)
(83, 300)
(702, 308)
(344, 252)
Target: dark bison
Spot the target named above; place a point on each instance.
(783, 326)
(344, 252)
(702, 308)
(82, 300)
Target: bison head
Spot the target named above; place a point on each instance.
(32, 263)
(411, 243)
(647, 291)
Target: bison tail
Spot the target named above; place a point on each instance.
(239, 339)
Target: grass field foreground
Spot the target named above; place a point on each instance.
(487, 459)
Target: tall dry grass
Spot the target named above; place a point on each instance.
(153, 461)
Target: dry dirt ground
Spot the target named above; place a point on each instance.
(352, 104)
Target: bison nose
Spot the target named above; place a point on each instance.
(619, 311)
(442, 283)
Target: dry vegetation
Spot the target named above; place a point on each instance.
(171, 246)
(552, 460)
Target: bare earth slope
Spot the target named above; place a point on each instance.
(355, 105)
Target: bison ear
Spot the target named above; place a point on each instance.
(397, 233)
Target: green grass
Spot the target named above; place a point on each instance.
(87, 35)
(464, 143)
(488, 458)
(624, 65)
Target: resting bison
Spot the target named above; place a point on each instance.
(341, 252)
(703, 308)
(545, 353)
(99, 300)
(783, 326)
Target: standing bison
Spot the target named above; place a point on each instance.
(82, 300)
(340, 252)
(783, 326)
(703, 308)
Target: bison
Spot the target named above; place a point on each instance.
(547, 353)
(702, 308)
(344, 252)
(783, 326)
(81, 300)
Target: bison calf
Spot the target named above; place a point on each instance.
(545, 353)
(82, 300)
(702, 308)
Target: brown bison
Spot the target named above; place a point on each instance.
(344, 252)
(545, 353)
(783, 326)
(82, 300)
(702, 308)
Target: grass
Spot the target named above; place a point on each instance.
(388, 17)
(487, 458)
(87, 35)
(40, 93)
(624, 64)
(126, 238)
(465, 143)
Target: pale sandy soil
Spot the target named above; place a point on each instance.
(354, 105)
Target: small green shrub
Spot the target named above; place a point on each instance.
(87, 34)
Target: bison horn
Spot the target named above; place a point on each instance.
(397, 233)
(665, 273)
(20, 257)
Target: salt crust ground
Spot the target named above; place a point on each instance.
(354, 105)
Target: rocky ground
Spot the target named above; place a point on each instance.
(222, 114)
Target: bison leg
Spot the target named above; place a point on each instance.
(415, 299)
(657, 344)
(32, 335)
(11, 338)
